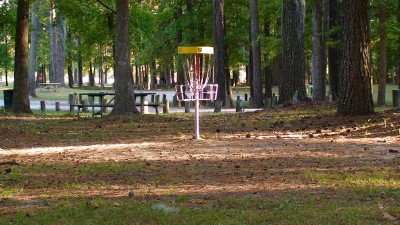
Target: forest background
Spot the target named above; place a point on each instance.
(78, 39)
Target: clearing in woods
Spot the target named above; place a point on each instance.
(303, 152)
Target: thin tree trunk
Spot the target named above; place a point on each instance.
(219, 53)
(317, 70)
(101, 75)
(257, 97)
(33, 49)
(58, 34)
(70, 71)
(80, 67)
(335, 52)
(20, 103)
(383, 56)
(7, 58)
(70, 74)
(91, 75)
(267, 65)
(179, 38)
(355, 85)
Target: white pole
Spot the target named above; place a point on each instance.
(197, 114)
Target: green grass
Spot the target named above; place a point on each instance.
(367, 177)
(306, 209)
(347, 197)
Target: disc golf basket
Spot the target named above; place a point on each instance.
(197, 65)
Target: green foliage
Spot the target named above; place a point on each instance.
(8, 17)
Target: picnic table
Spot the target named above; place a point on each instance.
(49, 86)
(100, 96)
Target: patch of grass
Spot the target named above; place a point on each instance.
(365, 177)
(293, 210)
(7, 192)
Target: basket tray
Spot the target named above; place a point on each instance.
(187, 92)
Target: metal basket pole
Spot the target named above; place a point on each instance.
(197, 85)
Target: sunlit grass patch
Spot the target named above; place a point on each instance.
(7, 192)
(365, 177)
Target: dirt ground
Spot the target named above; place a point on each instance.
(263, 154)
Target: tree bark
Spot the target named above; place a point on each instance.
(219, 51)
(7, 59)
(124, 102)
(58, 34)
(267, 65)
(293, 61)
(335, 52)
(70, 71)
(355, 83)
(179, 39)
(33, 49)
(80, 67)
(317, 69)
(383, 56)
(21, 102)
(398, 46)
(257, 97)
(91, 75)
(101, 71)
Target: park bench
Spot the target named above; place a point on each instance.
(81, 106)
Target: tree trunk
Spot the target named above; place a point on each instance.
(91, 75)
(398, 47)
(124, 102)
(101, 74)
(7, 58)
(80, 67)
(335, 52)
(317, 69)
(70, 70)
(267, 65)
(383, 56)
(33, 49)
(70, 74)
(190, 5)
(179, 38)
(219, 53)
(58, 34)
(257, 97)
(20, 103)
(293, 61)
(355, 83)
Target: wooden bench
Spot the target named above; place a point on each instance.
(80, 106)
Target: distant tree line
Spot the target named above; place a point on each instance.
(292, 44)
